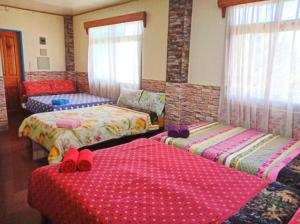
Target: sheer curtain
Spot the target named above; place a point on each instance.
(114, 59)
(261, 86)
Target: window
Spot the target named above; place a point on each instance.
(263, 51)
(115, 57)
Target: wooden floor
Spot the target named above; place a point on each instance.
(16, 165)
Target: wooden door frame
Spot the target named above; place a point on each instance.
(20, 35)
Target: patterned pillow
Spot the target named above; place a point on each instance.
(34, 88)
(62, 86)
(153, 101)
(129, 97)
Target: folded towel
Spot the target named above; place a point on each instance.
(76, 118)
(69, 163)
(184, 131)
(68, 123)
(60, 102)
(85, 160)
(173, 131)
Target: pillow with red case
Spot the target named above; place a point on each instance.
(62, 86)
(37, 88)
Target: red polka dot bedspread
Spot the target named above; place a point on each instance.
(146, 181)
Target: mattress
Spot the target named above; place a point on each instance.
(149, 182)
(99, 124)
(40, 104)
(265, 155)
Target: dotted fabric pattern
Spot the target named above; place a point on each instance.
(62, 86)
(37, 88)
(40, 104)
(143, 182)
(296, 218)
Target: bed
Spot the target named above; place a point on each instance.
(38, 96)
(41, 104)
(146, 181)
(99, 124)
(265, 155)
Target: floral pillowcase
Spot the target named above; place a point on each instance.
(150, 101)
(154, 102)
(129, 97)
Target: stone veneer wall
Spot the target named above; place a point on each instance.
(180, 20)
(69, 43)
(82, 81)
(154, 85)
(189, 103)
(41, 76)
(186, 103)
(3, 111)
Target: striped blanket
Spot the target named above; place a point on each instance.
(265, 155)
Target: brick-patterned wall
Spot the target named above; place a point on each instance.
(173, 103)
(185, 102)
(40, 76)
(69, 43)
(82, 81)
(153, 85)
(199, 102)
(180, 17)
(189, 103)
(3, 111)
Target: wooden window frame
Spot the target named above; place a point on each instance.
(223, 4)
(138, 16)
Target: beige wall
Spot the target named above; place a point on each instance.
(33, 25)
(207, 44)
(155, 35)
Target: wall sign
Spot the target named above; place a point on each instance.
(43, 41)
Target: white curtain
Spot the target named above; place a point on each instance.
(261, 86)
(114, 59)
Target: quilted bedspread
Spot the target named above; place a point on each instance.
(100, 123)
(149, 182)
(268, 156)
(39, 104)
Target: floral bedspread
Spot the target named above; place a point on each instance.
(277, 203)
(100, 123)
